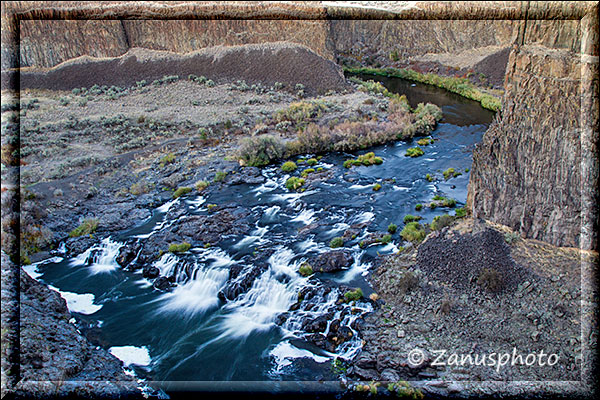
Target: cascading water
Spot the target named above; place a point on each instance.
(234, 306)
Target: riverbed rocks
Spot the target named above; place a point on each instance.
(78, 245)
(318, 324)
(240, 280)
(199, 230)
(164, 283)
(128, 253)
(247, 175)
(150, 272)
(211, 228)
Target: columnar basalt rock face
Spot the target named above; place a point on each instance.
(411, 38)
(49, 35)
(48, 43)
(526, 172)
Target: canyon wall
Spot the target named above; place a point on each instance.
(526, 171)
(48, 34)
(537, 168)
(71, 39)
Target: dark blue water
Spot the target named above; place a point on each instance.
(189, 334)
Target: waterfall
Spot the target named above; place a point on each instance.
(101, 258)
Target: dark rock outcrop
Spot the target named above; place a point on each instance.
(332, 261)
(199, 230)
(128, 252)
(248, 175)
(163, 283)
(150, 272)
(240, 280)
(54, 357)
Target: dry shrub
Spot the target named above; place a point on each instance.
(490, 279)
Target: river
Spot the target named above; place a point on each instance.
(191, 334)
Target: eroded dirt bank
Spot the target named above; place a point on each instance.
(286, 63)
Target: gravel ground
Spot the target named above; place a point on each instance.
(58, 139)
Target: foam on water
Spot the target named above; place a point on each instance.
(218, 258)
(306, 217)
(255, 236)
(197, 202)
(361, 218)
(167, 206)
(256, 310)
(281, 262)
(292, 198)
(166, 264)
(79, 303)
(269, 185)
(339, 227)
(389, 248)
(270, 213)
(269, 296)
(32, 269)
(144, 283)
(360, 187)
(310, 245)
(132, 355)
(62, 248)
(357, 268)
(285, 354)
(104, 260)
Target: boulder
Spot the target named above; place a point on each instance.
(240, 280)
(248, 175)
(78, 245)
(150, 272)
(321, 341)
(318, 324)
(333, 261)
(128, 252)
(163, 283)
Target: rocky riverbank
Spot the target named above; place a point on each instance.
(476, 288)
(55, 359)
